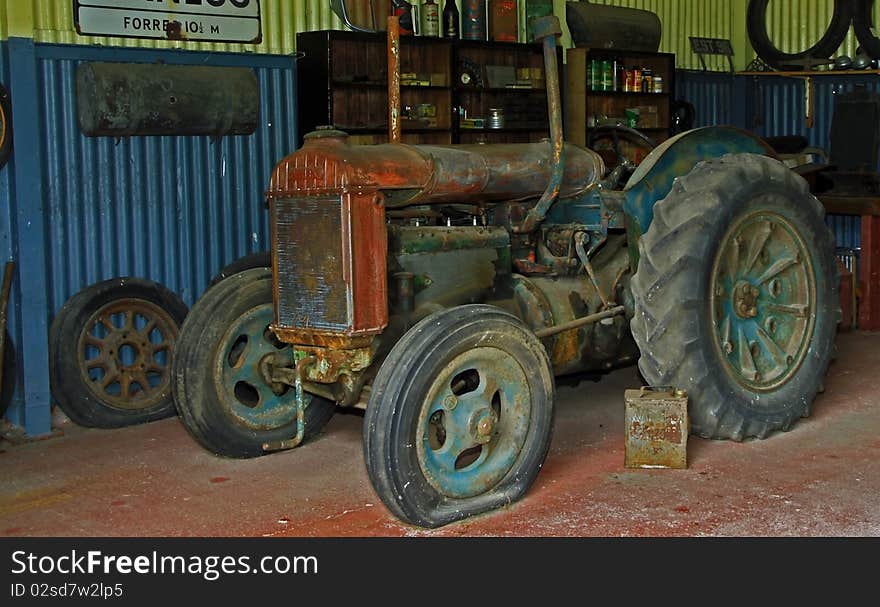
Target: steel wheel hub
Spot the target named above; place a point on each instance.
(125, 353)
(473, 423)
(243, 367)
(763, 301)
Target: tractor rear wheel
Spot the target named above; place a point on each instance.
(460, 416)
(736, 296)
(219, 384)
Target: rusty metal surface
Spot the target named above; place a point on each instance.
(394, 125)
(430, 174)
(125, 99)
(547, 29)
(329, 266)
(124, 353)
(656, 428)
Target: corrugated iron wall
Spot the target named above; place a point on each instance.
(777, 107)
(173, 209)
(713, 96)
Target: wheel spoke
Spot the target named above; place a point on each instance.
(796, 310)
(758, 246)
(779, 266)
(778, 355)
(148, 328)
(91, 340)
(746, 361)
(109, 379)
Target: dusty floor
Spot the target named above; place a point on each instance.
(822, 478)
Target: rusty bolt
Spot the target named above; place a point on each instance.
(727, 347)
(450, 402)
(485, 427)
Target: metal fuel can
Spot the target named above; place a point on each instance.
(657, 428)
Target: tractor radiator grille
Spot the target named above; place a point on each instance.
(311, 292)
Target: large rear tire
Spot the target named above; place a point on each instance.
(218, 387)
(460, 416)
(736, 296)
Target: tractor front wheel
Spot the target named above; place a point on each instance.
(220, 386)
(460, 416)
(736, 296)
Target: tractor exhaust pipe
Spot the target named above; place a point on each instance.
(547, 29)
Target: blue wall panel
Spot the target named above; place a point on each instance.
(7, 244)
(713, 97)
(171, 209)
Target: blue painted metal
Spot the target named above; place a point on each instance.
(30, 247)
(674, 158)
(171, 209)
(469, 417)
(777, 107)
(713, 97)
(245, 394)
(8, 216)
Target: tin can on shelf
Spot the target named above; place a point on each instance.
(496, 118)
(628, 81)
(637, 80)
(647, 81)
(658, 84)
(607, 76)
(473, 20)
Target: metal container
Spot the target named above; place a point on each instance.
(496, 118)
(657, 428)
(473, 20)
(658, 84)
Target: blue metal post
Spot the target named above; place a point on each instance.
(31, 238)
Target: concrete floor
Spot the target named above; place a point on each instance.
(822, 478)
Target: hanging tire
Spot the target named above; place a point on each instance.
(736, 296)
(827, 45)
(460, 416)
(222, 397)
(248, 262)
(110, 351)
(863, 24)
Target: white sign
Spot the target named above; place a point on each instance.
(197, 20)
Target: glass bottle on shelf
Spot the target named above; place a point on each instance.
(473, 19)
(430, 13)
(451, 20)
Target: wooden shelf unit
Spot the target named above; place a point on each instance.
(343, 82)
(613, 104)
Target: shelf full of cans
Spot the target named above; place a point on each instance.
(613, 76)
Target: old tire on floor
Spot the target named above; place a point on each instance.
(736, 296)
(110, 352)
(222, 396)
(460, 416)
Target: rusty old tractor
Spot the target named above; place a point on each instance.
(442, 288)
